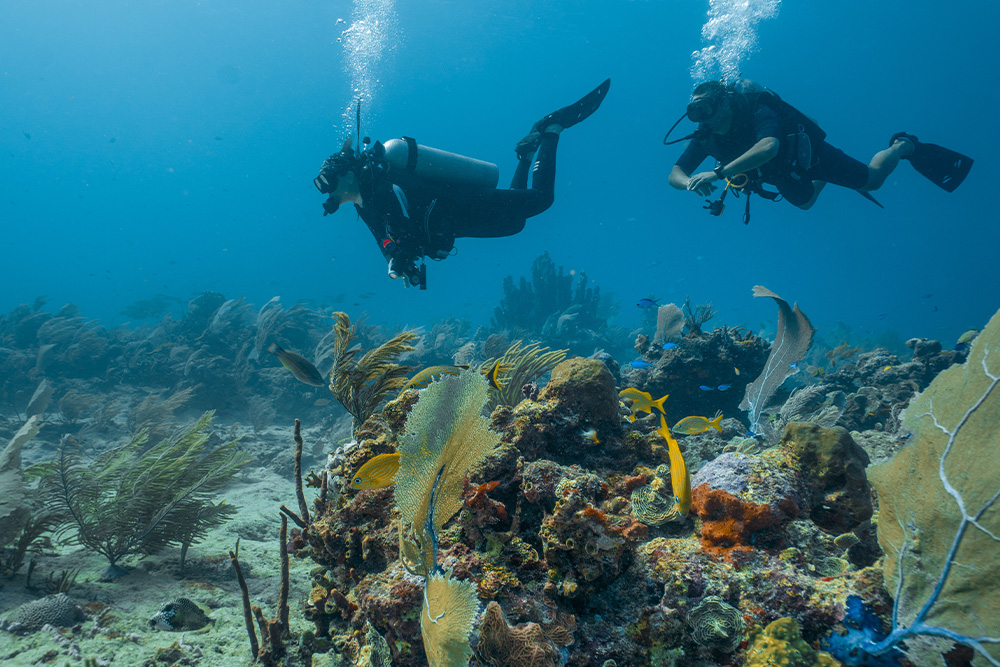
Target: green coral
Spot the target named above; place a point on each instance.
(780, 644)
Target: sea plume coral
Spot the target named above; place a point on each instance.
(129, 501)
(362, 383)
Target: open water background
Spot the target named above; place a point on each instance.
(160, 147)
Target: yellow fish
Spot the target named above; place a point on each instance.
(680, 479)
(695, 425)
(590, 434)
(493, 374)
(642, 401)
(432, 373)
(377, 473)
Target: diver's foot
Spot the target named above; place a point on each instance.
(526, 147)
(906, 143)
(560, 119)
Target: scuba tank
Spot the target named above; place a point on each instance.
(437, 166)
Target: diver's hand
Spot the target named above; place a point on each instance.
(397, 269)
(703, 183)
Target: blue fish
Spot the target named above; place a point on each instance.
(705, 387)
(640, 363)
(669, 346)
(794, 365)
(723, 387)
(646, 303)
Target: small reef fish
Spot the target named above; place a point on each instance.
(640, 364)
(724, 387)
(737, 370)
(493, 374)
(794, 365)
(432, 373)
(887, 368)
(694, 425)
(964, 341)
(377, 473)
(300, 367)
(669, 346)
(705, 387)
(590, 434)
(642, 401)
(646, 303)
(680, 479)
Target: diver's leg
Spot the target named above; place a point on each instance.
(520, 180)
(498, 213)
(884, 162)
(543, 175)
(817, 188)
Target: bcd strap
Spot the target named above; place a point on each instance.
(411, 154)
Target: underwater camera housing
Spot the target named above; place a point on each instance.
(417, 277)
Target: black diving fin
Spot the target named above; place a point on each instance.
(941, 166)
(566, 117)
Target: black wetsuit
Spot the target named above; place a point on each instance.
(754, 119)
(410, 218)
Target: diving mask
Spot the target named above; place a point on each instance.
(326, 182)
(702, 109)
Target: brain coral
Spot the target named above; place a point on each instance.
(58, 610)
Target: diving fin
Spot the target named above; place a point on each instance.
(870, 197)
(942, 166)
(565, 117)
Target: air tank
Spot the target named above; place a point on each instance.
(437, 166)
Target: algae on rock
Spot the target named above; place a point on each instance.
(938, 518)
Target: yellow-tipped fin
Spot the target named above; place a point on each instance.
(716, 423)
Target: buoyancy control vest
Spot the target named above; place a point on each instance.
(798, 132)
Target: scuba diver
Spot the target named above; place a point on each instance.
(417, 200)
(756, 138)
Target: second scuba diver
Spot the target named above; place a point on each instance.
(758, 138)
(417, 200)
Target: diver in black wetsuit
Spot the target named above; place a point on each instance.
(760, 138)
(416, 201)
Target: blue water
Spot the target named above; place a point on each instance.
(169, 147)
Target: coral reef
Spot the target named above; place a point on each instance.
(556, 306)
(722, 358)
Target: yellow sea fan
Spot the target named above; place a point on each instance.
(449, 609)
(447, 434)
